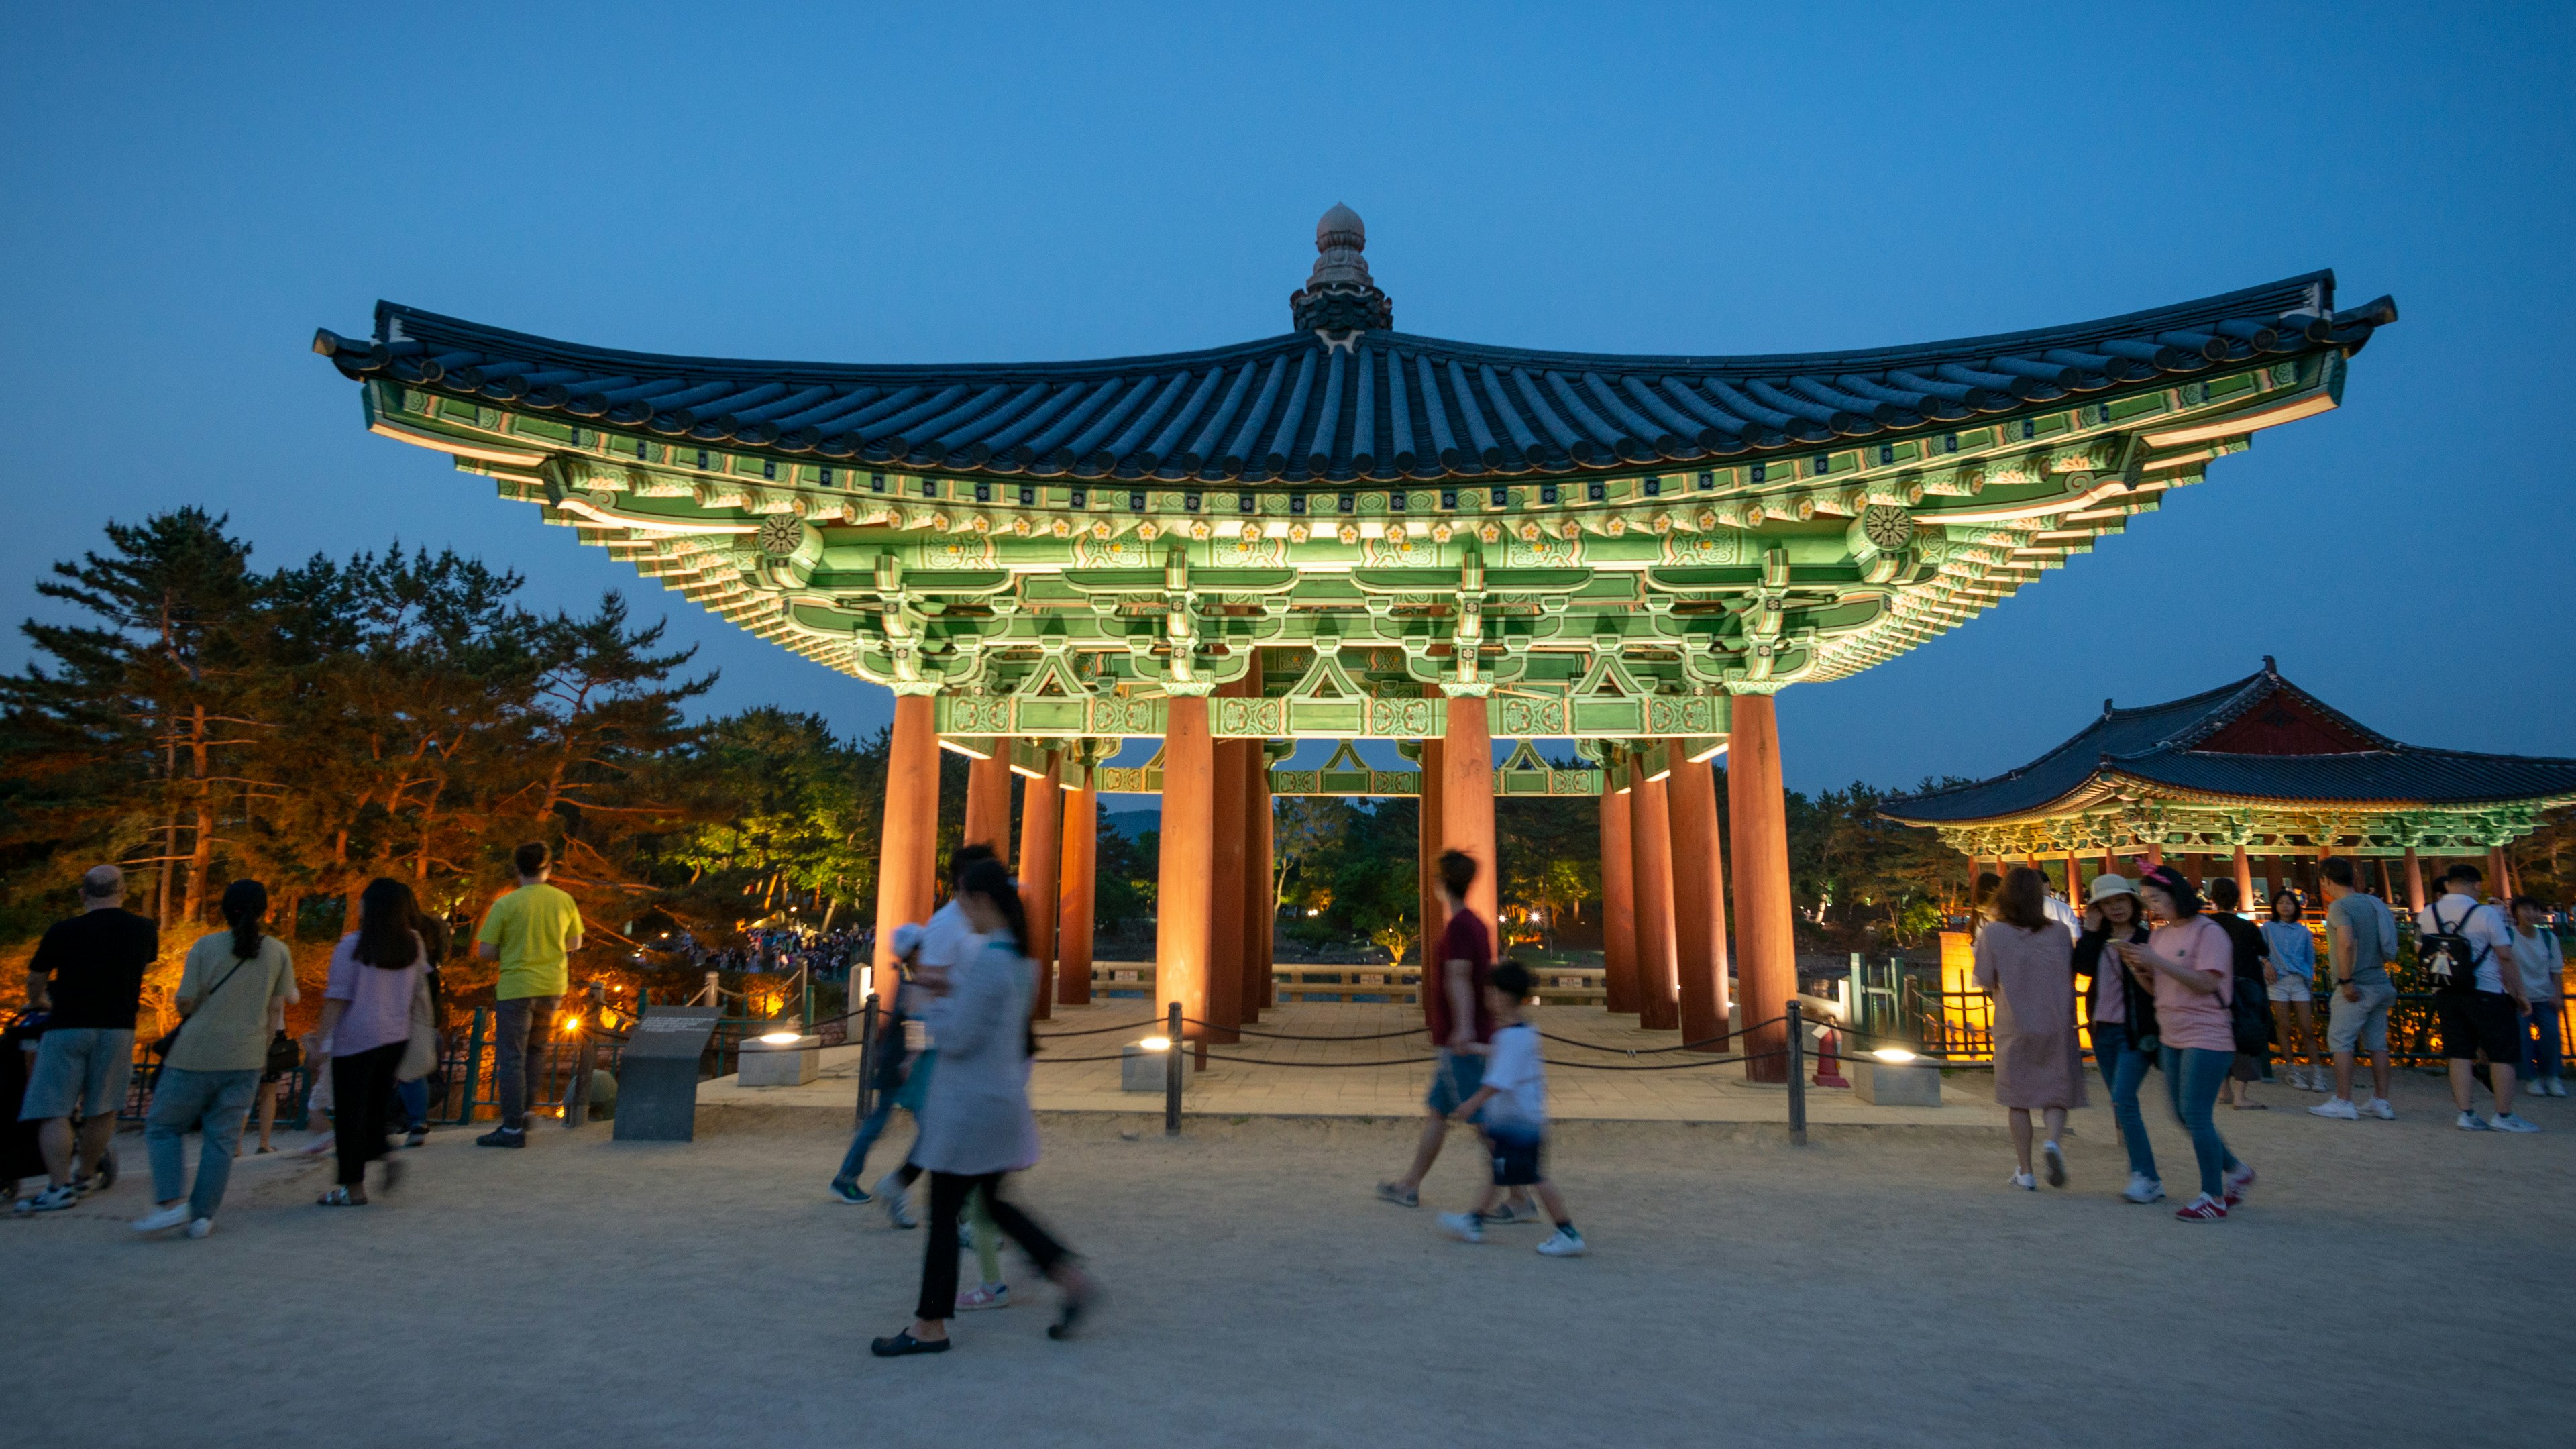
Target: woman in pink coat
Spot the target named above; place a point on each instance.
(2025, 962)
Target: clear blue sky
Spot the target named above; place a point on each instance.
(187, 196)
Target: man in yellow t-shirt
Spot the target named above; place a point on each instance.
(532, 932)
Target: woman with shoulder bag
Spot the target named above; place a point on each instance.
(2190, 964)
(234, 982)
(379, 987)
(2123, 1021)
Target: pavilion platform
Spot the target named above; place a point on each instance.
(1323, 1079)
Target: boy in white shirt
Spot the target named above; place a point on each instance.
(1510, 1110)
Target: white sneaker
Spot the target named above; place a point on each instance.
(2507, 1122)
(2143, 1188)
(2339, 1108)
(2378, 1107)
(162, 1219)
(898, 1204)
(2471, 1122)
(2056, 1164)
(200, 1227)
(1463, 1227)
(2554, 1087)
(2025, 1182)
(1563, 1243)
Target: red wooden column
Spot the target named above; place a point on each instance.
(2074, 881)
(1079, 844)
(1435, 915)
(988, 801)
(2244, 878)
(1182, 898)
(907, 874)
(1040, 822)
(1618, 891)
(1467, 807)
(2110, 861)
(1226, 876)
(1651, 833)
(1261, 891)
(1699, 900)
(2499, 876)
(1766, 960)
(2155, 852)
(2414, 880)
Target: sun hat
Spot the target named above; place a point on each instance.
(2107, 886)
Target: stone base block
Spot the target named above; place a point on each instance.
(1142, 1071)
(782, 1066)
(1895, 1084)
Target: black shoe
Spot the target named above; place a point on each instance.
(904, 1343)
(503, 1137)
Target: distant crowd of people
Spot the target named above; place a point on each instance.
(786, 950)
(2180, 982)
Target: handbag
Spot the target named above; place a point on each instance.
(420, 1053)
(284, 1056)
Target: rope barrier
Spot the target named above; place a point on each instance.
(1097, 1030)
(1655, 1051)
(1291, 1036)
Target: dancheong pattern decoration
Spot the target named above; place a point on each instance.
(1358, 521)
(2261, 764)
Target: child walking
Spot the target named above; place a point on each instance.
(1510, 1110)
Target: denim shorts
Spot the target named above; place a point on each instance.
(1454, 1078)
(84, 1066)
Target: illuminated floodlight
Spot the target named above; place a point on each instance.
(1156, 1043)
(1893, 1054)
(781, 1038)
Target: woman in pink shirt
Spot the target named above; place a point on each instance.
(2190, 966)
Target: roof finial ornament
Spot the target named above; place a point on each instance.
(1339, 301)
(2271, 668)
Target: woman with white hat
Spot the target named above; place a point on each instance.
(2123, 1020)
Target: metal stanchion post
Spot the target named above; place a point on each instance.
(867, 1054)
(1172, 1073)
(577, 1093)
(474, 1064)
(1797, 1075)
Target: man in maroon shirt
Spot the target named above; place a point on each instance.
(1460, 1024)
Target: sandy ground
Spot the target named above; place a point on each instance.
(2388, 1283)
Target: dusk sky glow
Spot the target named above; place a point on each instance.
(191, 193)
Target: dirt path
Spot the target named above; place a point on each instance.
(2391, 1282)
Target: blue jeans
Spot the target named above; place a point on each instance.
(2123, 1072)
(855, 1161)
(414, 1097)
(519, 1027)
(2542, 1060)
(2193, 1076)
(212, 1103)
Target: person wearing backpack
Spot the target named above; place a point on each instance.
(2249, 1009)
(235, 980)
(2467, 948)
(2187, 960)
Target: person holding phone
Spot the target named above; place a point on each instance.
(2190, 965)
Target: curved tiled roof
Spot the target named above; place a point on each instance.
(2154, 745)
(1342, 406)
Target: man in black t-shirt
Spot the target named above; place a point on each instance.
(87, 974)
